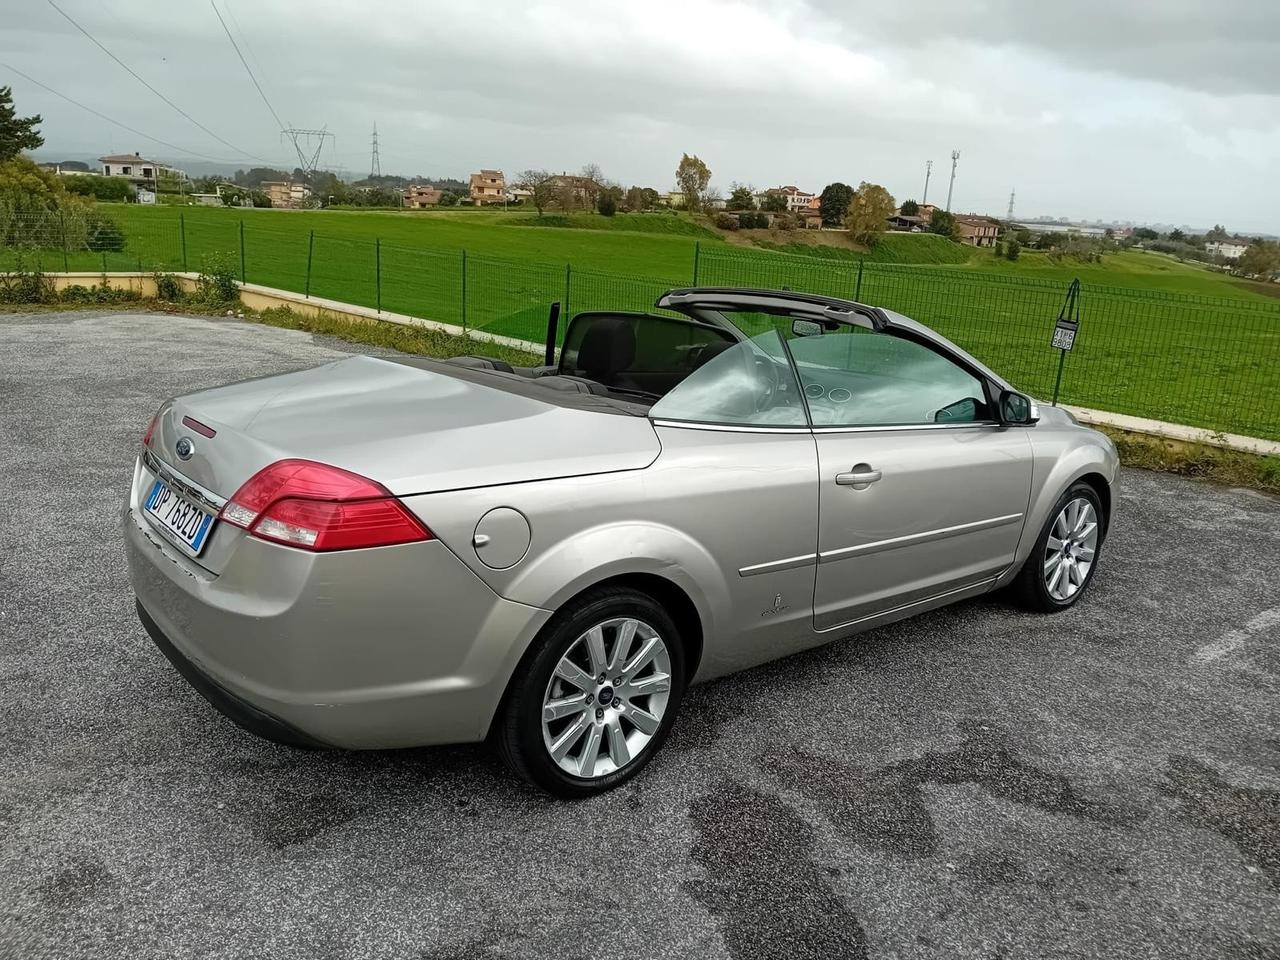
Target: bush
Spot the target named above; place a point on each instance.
(1011, 250)
(116, 189)
(608, 205)
(753, 220)
(784, 221)
(216, 285)
(99, 293)
(102, 234)
(168, 288)
(726, 221)
(26, 286)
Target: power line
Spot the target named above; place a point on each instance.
(112, 120)
(135, 75)
(257, 86)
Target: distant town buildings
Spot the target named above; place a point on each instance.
(418, 196)
(977, 231)
(488, 186)
(285, 193)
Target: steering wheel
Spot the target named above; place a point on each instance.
(771, 381)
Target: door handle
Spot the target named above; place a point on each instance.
(859, 477)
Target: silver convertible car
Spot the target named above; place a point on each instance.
(389, 553)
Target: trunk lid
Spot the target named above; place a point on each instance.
(412, 430)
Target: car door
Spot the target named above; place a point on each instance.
(922, 494)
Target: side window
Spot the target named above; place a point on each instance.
(855, 377)
(747, 383)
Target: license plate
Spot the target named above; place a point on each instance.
(179, 517)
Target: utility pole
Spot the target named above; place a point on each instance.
(1010, 216)
(955, 157)
(928, 169)
(375, 165)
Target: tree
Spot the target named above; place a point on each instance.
(16, 133)
(635, 200)
(540, 186)
(1145, 233)
(116, 189)
(775, 201)
(834, 202)
(448, 198)
(607, 204)
(1260, 259)
(1177, 236)
(943, 224)
(909, 208)
(1012, 249)
(871, 206)
(741, 197)
(1218, 233)
(593, 185)
(692, 177)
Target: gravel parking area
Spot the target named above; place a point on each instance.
(976, 782)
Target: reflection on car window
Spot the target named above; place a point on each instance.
(749, 382)
(856, 377)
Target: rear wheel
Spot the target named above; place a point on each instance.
(596, 697)
(1065, 556)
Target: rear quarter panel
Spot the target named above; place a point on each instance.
(712, 503)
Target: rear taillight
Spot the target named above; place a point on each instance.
(314, 506)
(150, 431)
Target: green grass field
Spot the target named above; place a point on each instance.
(1158, 339)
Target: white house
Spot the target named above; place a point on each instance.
(1227, 248)
(797, 200)
(133, 167)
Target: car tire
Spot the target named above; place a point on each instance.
(527, 737)
(1047, 582)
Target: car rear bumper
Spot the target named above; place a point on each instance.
(390, 647)
(227, 703)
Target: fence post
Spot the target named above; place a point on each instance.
(697, 255)
(62, 221)
(464, 291)
(857, 290)
(104, 263)
(568, 275)
(311, 243)
(377, 269)
(182, 232)
(243, 278)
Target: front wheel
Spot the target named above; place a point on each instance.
(596, 697)
(1065, 555)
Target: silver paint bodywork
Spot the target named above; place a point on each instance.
(532, 503)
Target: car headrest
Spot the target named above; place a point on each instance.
(608, 348)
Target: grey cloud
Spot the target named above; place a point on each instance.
(1230, 47)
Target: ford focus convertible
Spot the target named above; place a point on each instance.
(390, 553)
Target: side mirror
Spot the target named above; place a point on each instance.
(806, 328)
(1016, 409)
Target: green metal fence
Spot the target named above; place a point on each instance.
(1203, 361)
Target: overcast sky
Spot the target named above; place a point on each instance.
(1163, 111)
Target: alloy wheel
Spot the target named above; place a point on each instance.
(606, 698)
(1070, 550)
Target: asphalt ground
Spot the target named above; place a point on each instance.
(975, 782)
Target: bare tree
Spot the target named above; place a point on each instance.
(540, 186)
(593, 183)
